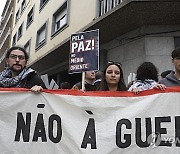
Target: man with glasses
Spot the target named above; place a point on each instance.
(17, 74)
(173, 79)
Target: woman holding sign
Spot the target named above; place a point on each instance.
(113, 79)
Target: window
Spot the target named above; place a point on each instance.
(17, 15)
(106, 5)
(176, 42)
(30, 17)
(23, 5)
(42, 3)
(20, 31)
(27, 47)
(59, 19)
(14, 39)
(41, 36)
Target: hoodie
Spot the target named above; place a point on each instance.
(170, 80)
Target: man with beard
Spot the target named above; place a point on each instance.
(173, 79)
(17, 74)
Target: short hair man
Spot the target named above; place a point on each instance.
(17, 74)
(89, 82)
(173, 79)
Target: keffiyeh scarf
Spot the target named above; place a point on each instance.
(143, 85)
(7, 80)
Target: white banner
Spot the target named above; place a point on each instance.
(74, 122)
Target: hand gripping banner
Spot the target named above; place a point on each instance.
(66, 121)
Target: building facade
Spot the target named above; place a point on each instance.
(6, 24)
(131, 32)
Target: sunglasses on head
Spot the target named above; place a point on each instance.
(116, 63)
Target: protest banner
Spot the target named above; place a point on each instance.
(84, 52)
(66, 121)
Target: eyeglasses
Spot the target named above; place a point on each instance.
(20, 57)
(177, 58)
(116, 63)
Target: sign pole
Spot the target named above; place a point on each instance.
(83, 81)
(84, 53)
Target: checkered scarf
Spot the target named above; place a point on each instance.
(7, 80)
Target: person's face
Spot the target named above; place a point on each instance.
(16, 60)
(112, 75)
(176, 62)
(90, 75)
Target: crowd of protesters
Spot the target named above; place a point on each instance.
(110, 79)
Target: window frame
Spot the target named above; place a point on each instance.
(28, 23)
(14, 40)
(17, 15)
(176, 41)
(20, 29)
(28, 43)
(42, 4)
(43, 28)
(61, 9)
(23, 6)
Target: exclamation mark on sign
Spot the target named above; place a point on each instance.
(93, 47)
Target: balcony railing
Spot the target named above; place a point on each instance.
(3, 56)
(107, 5)
(6, 22)
(5, 37)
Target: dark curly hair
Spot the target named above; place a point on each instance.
(121, 83)
(147, 70)
(17, 48)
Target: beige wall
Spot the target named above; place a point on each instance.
(155, 48)
(81, 13)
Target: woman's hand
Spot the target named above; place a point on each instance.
(160, 86)
(135, 90)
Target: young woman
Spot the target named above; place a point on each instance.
(113, 79)
(147, 78)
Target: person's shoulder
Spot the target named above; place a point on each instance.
(137, 82)
(1, 85)
(167, 78)
(33, 75)
(77, 86)
(34, 78)
(151, 81)
(163, 80)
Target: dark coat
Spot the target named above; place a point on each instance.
(31, 80)
(88, 87)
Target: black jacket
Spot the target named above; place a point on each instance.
(31, 80)
(88, 87)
